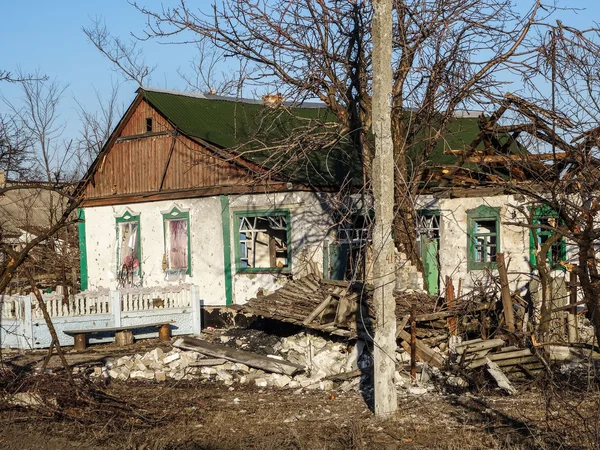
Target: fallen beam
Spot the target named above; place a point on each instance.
(424, 352)
(501, 380)
(240, 356)
(478, 346)
(318, 310)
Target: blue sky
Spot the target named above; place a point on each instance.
(46, 35)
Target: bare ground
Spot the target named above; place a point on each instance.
(551, 413)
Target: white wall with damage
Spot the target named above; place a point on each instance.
(453, 245)
(309, 226)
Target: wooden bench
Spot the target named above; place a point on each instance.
(123, 335)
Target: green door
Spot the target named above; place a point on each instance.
(429, 252)
(335, 261)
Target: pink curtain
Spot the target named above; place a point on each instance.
(178, 252)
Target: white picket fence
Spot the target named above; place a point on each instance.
(99, 302)
(22, 324)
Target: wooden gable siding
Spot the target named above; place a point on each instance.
(136, 160)
(137, 122)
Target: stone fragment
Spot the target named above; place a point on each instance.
(417, 390)
(136, 374)
(239, 367)
(139, 365)
(113, 373)
(261, 382)
(225, 339)
(160, 376)
(129, 364)
(280, 381)
(208, 371)
(122, 361)
(157, 354)
(223, 375)
(326, 385)
(171, 358)
(124, 373)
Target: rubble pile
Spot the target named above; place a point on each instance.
(319, 358)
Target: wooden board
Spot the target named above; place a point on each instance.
(424, 352)
(240, 356)
(128, 327)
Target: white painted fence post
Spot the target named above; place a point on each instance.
(196, 326)
(115, 306)
(26, 323)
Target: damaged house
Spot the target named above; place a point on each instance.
(175, 197)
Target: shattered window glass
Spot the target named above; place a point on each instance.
(485, 240)
(129, 250)
(263, 242)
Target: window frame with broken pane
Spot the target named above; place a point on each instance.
(176, 214)
(539, 214)
(248, 218)
(475, 217)
(127, 219)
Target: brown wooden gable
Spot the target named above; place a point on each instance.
(139, 166)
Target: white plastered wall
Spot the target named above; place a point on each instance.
(309, 226)
(514, 239)
(206, 245)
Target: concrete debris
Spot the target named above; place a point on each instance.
(320, 358)
(29, 399)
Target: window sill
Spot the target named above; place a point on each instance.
(257, 270)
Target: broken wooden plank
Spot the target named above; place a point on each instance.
(424, 352)
(515, 361)
(318, 310)
(472, 348)
(231, 354)
(509, 355)
(496, 372)
(402, 324)
(208, 362)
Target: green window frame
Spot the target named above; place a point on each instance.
(126, 225)
(170, 221)
(543, 215)
(483, 234)
(249, 227)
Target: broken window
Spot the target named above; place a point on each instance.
(149, 124)
(343, 258)
(177, 257)
(484, 237)
(557, 253)
(128, 248)
(264, 241)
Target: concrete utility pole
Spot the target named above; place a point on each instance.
(383, 193)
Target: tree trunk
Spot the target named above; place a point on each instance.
(383, 195)
(589, 280)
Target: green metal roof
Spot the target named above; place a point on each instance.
(253, 130)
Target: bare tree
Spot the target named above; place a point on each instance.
(15, 148)
(322, 50)
(127, 57)
(37, 112)
(96, 127)
(558, 125)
